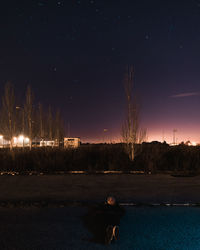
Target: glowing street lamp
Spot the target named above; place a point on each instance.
(193, 143)
(1, 140)
(26, 140)
(21, 139)
(14, 140)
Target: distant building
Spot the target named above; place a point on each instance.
(47, 143)
(4, 143)
(21, 141)
(71, 142)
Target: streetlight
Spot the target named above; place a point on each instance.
(174, 136)
(104, 134)
(1, 138)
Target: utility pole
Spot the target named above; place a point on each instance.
(163, 135)
(68, 132)
(104, 134)
(174, 136)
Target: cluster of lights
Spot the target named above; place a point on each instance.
(192, 143)
(21, 140)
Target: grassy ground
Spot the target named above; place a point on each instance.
(89, 188)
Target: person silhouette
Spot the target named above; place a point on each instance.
(103, 221)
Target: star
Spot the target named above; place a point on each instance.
(59, 3)
(147, 37)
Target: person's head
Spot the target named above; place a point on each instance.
(111, 200)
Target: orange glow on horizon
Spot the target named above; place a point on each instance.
(167, 136)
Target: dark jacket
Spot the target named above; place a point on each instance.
(110, 214)
(99, 217)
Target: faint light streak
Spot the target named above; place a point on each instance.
(185, 94)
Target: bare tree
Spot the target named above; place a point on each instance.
(8, 116)
(16, 118)
(41, 122)
(20, 119)
(28, 107)
(50, 124)
(132, 134)
(58, 128)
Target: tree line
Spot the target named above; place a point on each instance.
(24, 117)
(151, 158)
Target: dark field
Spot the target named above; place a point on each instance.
(62, 228)
(91, 188)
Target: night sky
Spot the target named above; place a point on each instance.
(74, 54)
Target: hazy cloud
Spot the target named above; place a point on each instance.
(185, 94)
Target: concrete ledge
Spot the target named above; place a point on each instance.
(43, 204)
(70, 172)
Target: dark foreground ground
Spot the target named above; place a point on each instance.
(62, 228)
(91, 188)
